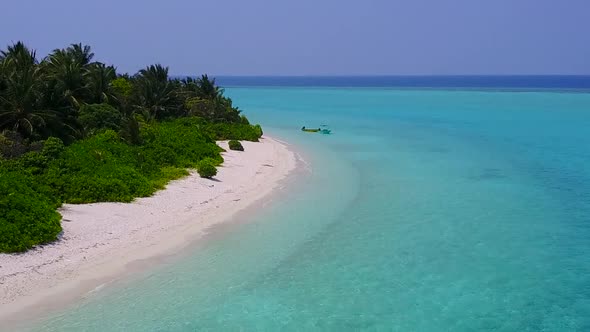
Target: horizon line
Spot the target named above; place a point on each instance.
(393, 75)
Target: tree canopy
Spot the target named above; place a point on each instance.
(40, 98)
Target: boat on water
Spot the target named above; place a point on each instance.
(310, 130)
(324, 130)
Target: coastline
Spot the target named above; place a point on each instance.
(101, 241)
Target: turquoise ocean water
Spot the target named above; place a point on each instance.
(426, 210)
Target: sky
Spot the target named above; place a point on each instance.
(314, 37)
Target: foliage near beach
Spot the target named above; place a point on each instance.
(27, 216)
(73, 130)
(235, 145)
(206, 168)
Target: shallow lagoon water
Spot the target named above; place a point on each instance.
(425, 210)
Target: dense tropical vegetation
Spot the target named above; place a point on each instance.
(74, 130)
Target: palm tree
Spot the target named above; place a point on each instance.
(203, 98)
(98, 78)
(21, 109)
(154, 93)
(68, 70)
(81, 54)
(206, 88)
(155, 72)
(65, 79)
(188, 88)
(18, 56)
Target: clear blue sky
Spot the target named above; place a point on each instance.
(319, 37)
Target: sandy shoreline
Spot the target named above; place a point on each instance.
(101, 240)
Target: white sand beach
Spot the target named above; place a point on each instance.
(100, 241)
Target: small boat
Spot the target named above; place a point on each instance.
(310, 130)
(322, 130)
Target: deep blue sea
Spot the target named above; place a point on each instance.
(431, 207)
(567, 82)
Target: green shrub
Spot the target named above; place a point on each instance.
(131, 130)
(258, 130)
(53, 147)
(105, 168)
(168, 174)
(217, 110)
(122, 87)
(214, 162)
(97, 117)
(206, 169)
(27, 217)
(180, 139)
(109, 183)
(101, 168)
(235, 145)
(233, 131)
(33, 163)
